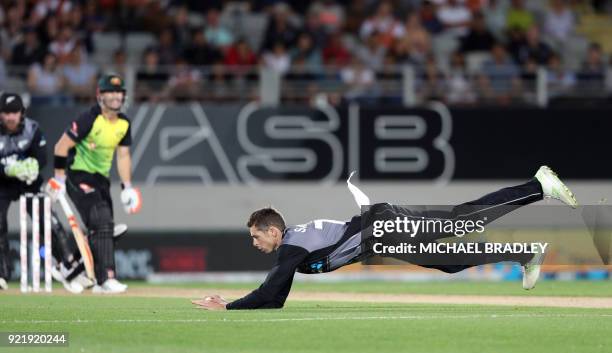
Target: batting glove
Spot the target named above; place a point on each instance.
(131, 199)
(55, 188)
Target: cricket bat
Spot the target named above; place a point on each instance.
(80, 238)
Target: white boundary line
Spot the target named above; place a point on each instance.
(336, 318)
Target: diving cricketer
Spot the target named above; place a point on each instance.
(326, 245)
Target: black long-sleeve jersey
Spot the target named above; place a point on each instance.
(315, 247)
(27, 141)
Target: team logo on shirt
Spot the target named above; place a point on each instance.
(22, 144)
(75, 128)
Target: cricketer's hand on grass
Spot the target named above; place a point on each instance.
(213, 302)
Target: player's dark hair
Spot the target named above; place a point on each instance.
(266, 217)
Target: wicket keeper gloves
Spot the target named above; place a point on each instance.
(55, 187)
(25, 170)
(131, 199)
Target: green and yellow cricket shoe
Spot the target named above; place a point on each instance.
(554, 188)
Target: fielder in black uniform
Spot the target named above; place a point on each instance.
(326, 245)
(23, 151)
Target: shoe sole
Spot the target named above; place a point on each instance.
(538, 269)
(537, 260)
(566, 195)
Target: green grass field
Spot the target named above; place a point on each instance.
(139, 324)
(544, 288)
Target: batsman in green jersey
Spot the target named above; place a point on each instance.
(94, 138)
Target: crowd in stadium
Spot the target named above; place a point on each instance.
(462, 50)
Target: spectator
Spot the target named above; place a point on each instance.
(151, 16)
(118, 66)
(519, 18)
(455, 18)
(384, 24)
(84, 30)
(360, 82)
(280, 29)
(335, 53)
(62, 47)
(93, 18)
(307, 53)
(559, 22)
(459, 87)
(417, 38)
(432, 87)
(29, 51)
(240, 56)
(49, 31)
(372, 53)
(560, 81)
(500, 79)
(166, 47)
(80, 75)
(185, 82)
(278, 60)
(11, 32)
(45, 82)
(150, 79)
(401, 52)
(45, 8)
(592, 75)
(199, 53)
(495, 17)
(478, 38)
(302, 74)
(180, 27)
(594, 66)
(218, 82)
(356, 13)
(429, 18)
(529, 46)
(216, 34)
(529, 71)
(315, 30)
(329, 14)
